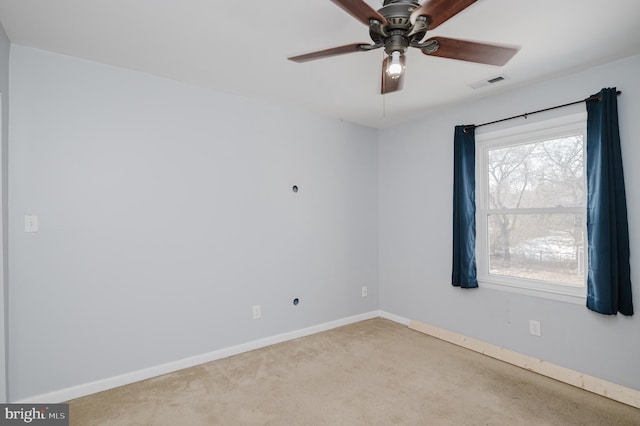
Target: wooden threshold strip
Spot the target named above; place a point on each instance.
(583, 381)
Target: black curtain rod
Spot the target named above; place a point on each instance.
(526, 114)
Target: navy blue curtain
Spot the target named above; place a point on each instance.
(464, 208)
(608, 279)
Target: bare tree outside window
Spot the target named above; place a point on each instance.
(535, 219)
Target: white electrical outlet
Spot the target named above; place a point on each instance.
(534, 327)
(257, 313)
(364, 291)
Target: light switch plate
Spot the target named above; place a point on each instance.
(31, 223)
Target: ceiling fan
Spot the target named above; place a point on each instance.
(401, 24)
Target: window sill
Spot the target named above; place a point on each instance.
(557, 295)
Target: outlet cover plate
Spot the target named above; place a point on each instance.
(257, 312)
(534, 328)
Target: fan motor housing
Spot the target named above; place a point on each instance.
(398, 13)
(394, 34)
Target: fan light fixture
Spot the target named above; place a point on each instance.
(395, 67)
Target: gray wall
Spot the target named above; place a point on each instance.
(4, 142)
(165, 213)
(416, 181)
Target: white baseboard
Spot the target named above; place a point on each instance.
(589, 383)
(147, 373)
(394, 318)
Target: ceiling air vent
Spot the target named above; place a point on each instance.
(488, 81)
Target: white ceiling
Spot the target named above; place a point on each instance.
(241, 47)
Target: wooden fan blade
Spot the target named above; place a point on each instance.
(360, 10)
(439, 11)
(390, 84)
(340, 50)
(472, 51)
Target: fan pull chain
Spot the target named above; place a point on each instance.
(384, 107)
(384, 98)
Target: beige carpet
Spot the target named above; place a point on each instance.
(371, 373)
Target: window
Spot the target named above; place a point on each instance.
(531, 214)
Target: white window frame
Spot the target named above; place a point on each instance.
(548, 129)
